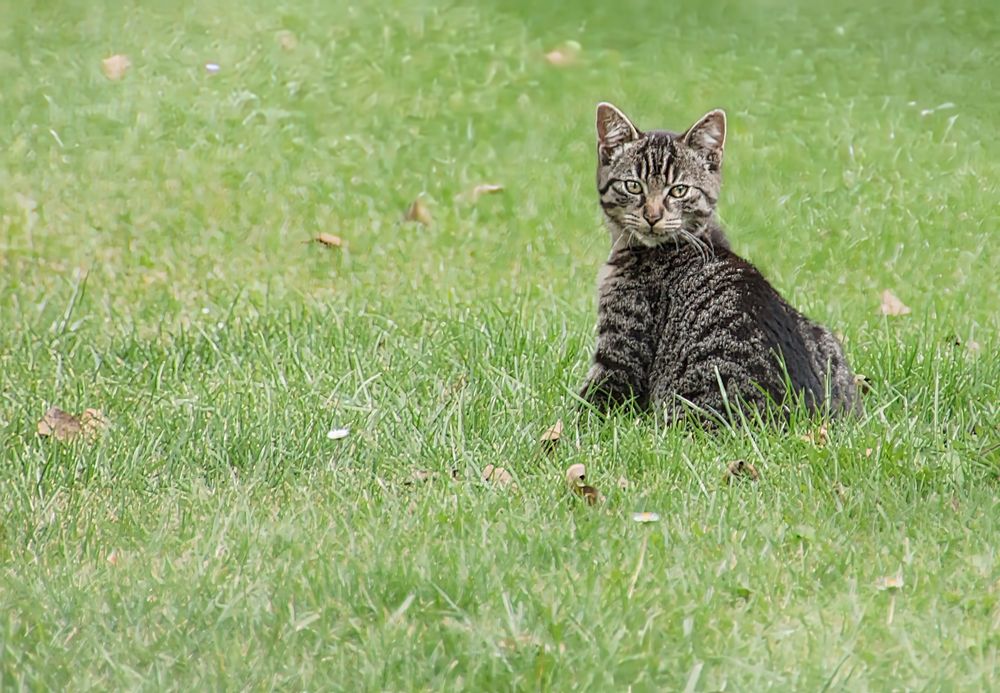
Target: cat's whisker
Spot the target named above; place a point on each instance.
(696, 243)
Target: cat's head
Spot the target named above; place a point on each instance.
(658, 186)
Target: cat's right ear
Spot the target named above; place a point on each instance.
(613, 129)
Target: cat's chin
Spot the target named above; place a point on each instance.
(652, 239)
(645, 238)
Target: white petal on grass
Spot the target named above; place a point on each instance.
(338, 433)
(212, 67)
(646, 517)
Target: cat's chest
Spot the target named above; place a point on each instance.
(605, 277)
(637, 274)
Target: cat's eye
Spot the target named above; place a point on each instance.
(633, 187)
(678, 191)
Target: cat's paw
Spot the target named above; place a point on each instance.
(605, 396)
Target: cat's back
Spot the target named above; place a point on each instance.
(706, 293)
(719, 312)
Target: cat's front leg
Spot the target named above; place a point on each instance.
(619, 373)
(608, 388)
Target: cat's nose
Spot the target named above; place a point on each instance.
(653, 218)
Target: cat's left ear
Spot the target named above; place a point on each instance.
(708, 136)
(613, 129)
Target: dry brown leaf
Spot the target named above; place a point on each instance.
(565, 54)
(419, 213)
(523, 641)
(64, 426)
(114, 67)
(93, 422)
(891, 305)
(59, 424)
(890, 582)
(287, 40)
(819, 437)
(971, 345)
(485, 189)
(423, 476)
(328, 239)
(591, 495)
(497, 475)
(551, 436)
(739, 470)
(575, 476)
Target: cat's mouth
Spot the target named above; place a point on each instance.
(660, 233)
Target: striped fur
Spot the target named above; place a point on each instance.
(683, 321)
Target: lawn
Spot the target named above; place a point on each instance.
(156, 264)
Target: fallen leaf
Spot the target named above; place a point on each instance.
(590, 494)
(419, 213)
(483, 189)
(739, 470)
(565, 54)
(338, 433)
(523, 641)
(425, 476)
(645, 517)
(819, 437)
(59, 424)
(287, 40)
(891, 305)
(551, 436)
(497, 475)
(575, 474)
(114, 67)
(805, 532)
(93, 422)
(327, 239)
(869, 451)
(971, 345)
(890, 582)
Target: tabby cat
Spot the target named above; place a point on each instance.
(685, 324)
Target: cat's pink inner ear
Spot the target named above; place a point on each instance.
(708, 134)
(613, 127)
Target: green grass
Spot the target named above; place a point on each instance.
(152, 265)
